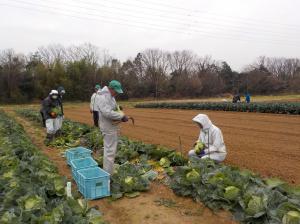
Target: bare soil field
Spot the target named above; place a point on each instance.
(265, 143)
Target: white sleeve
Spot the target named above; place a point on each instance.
(199, 138)
(106, 110)
(217, 143)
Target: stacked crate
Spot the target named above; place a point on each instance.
(92, 181)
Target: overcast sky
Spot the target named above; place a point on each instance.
(237, 31)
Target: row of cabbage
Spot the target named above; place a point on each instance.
(250, 198)
(31, 190)
(278, 108)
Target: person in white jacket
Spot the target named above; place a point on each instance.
(93, 108)
(212, 138)
(108, 120)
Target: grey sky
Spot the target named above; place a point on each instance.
(237, 31)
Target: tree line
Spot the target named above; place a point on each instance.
(151, 73)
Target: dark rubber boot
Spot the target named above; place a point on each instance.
(49, 139)
(58, 133)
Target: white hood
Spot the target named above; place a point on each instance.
(210, 135)
(203, 120)
(103, 91)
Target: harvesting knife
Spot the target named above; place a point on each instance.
(129, 118)
(132, 119)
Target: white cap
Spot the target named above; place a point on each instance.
(53, 92)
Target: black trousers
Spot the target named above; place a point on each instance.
(43, 119)
(96, 118)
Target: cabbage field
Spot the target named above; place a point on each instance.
(249, 197)
(31, 190)
(278, 108)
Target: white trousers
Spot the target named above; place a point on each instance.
(110, 142)
(60, 122)
(217, 156)
(52, 125)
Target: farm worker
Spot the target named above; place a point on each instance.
(236, 98)
(51, 112)
(108, 120)
(247, 98)
(212, 138)
(61, 91)
(93, 108)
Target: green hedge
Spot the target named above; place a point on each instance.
(277, 108)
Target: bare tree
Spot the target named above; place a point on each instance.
(180, 61)
(181, 65)
(283, 68)
(53, 54)
(88, 52)
(206, 65)
(155, 62)
(138, 66)
(258, 64)
(12, 66)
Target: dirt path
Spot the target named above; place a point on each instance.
(140, 210)
(265, 143)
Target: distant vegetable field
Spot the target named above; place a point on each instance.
(277, 108)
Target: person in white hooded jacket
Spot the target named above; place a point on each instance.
(212, 138)
(109, 118)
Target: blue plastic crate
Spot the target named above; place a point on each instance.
(94, 183)
(78, 164)
(77, 153)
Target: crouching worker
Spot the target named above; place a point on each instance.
(109, 118)
(51, 113)
(210, 143)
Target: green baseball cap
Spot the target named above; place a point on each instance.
(116, 86)
(97, 86)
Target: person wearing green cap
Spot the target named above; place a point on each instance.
(108, 115)
(93, 108)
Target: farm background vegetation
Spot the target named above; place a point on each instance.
(151, 73)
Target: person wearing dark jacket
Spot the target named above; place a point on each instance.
(236, 98)
(61, 91)
(51, 111)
